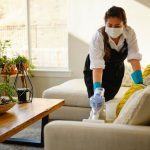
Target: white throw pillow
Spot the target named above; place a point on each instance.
(136, 110)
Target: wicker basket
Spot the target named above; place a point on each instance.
(6, 107)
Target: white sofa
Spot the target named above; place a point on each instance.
(76, 100)
(77, 105)
(73, 134)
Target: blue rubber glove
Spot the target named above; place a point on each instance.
(137, 77)
(96, 100)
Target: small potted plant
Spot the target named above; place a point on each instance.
(23, 63)
(6, 64)
(7, 100)
(9, 67)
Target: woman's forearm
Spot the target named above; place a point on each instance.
(135, 64)
(97, 75)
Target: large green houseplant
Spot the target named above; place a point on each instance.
(7, 91)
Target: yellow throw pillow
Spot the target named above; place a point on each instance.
(146, 75)
(132, 89)
(136, 110)
(146, 71)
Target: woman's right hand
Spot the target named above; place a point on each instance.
(96, 100)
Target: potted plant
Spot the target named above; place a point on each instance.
(7, 92)
(23, 63)
(6, 64)
(9, 66)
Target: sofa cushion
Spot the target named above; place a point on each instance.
(70, 113)
(136, 111)
(75, 135)
(73, 91)
(112, 104)
(126, 96)
(146, 75)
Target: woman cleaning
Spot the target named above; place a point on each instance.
(104, 66)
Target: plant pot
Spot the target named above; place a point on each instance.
(22, 67)
(12, 70)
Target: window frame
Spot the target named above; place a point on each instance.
(52, 72)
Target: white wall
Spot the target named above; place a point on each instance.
(78, 50)
(85, 17)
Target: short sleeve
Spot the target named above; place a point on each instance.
(133, 50)
(96, 51)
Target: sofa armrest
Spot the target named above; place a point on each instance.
(73, 135)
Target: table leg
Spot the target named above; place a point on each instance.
(30, 142)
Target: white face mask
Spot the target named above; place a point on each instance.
(114, 32)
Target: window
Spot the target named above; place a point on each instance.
(37, 29)
(13, 26)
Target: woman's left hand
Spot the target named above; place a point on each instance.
(137, 77)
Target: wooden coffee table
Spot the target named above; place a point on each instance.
(23, 115)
